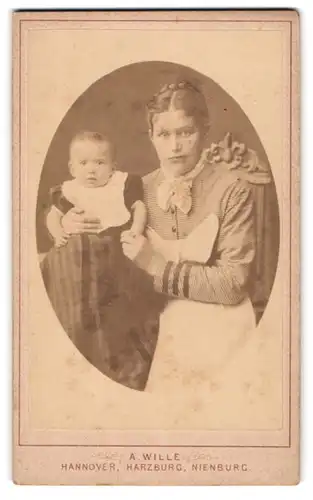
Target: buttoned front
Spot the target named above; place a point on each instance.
(224, 279)
(206, 192)
(204, 258)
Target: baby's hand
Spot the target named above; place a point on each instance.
(127, 234)
(132, 232)
(136, 230)
(61, 240)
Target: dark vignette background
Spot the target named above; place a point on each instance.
(115, 105)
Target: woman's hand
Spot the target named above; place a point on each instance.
(75, 222)
(61, 239)
(132, 244)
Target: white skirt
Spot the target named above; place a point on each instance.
(196, 343)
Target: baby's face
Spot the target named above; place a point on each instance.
(91, 162)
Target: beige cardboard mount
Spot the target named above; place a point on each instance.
(73, 425)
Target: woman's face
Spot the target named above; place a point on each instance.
(177, 140)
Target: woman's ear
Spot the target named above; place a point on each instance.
(152, 137)
(206, 133)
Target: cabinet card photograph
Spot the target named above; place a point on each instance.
(156, 238)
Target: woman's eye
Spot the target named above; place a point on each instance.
(163, 133)
(186, 133)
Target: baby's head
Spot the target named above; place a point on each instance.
(91, 160)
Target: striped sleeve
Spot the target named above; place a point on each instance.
(225, 281)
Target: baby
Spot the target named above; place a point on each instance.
(97, 188)
(104, 302)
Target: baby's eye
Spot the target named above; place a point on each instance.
(100, 162)
(83, 162)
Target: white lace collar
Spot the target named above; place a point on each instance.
(103, 202)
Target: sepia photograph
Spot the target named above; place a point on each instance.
(161, 214)
(156, 324)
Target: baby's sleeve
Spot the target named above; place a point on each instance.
(58, 200)
(133, 190)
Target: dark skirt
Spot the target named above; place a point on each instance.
(106, 305)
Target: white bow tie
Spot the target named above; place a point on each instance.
(176, 192)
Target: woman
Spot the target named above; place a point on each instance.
(198, 249)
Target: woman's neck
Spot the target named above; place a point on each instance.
(190, 174)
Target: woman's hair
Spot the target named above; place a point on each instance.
(181, 95)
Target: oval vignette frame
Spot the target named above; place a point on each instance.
(115, 106)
